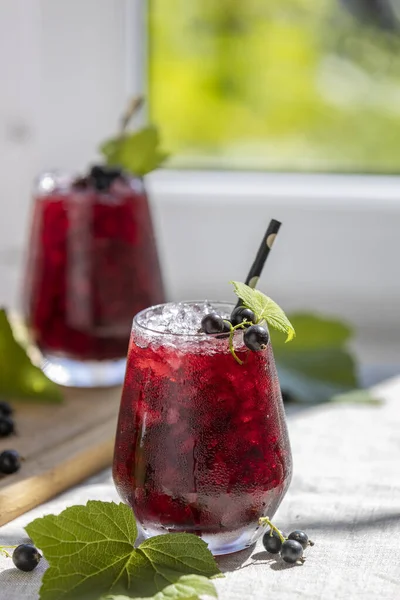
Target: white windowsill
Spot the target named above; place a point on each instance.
(369, 192)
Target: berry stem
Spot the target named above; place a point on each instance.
(265, 521)
(232, 349)
(4, 551)
(241, 325)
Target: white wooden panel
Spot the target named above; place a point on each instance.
(62, 88)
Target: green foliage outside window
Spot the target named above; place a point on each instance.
(308, 85)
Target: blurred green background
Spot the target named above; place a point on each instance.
(293, 85)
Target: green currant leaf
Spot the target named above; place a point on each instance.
(264, 308)
(187, 587)
(161, 560)
(88, 548)
(19, 377)
(137, 153)
(317, 367)
(91, 553)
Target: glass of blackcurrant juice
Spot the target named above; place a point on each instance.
(92, 264)
(201, 444)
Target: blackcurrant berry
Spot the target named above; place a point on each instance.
(241, 314)
(300, 537)
(212, 323)
(10, 462)
(6, 426)
(26, 557)
(102, 176)
(272, 543)
(5, 408)
(226, 331)
(256, 338)
(291, 551)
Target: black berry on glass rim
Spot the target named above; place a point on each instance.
(256, 338)
(291, 551)
(226, 331)
(212, 323)
(10, 462)
(102, 176)
(26, 557)
(241, 314)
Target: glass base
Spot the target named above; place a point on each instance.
(84, 374)
(218, 543)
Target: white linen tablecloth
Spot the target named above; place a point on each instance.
(345, 494)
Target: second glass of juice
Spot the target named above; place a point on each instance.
(202, 444)
(92, 263)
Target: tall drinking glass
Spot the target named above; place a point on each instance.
(202, 445)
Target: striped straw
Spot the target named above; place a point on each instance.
(262, 255)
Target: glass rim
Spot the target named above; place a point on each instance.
(61, 182)
(203, 336)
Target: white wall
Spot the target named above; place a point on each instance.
(62, 89)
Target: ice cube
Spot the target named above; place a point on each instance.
(177, 318)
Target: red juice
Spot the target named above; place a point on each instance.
(92, 264)
(201, 444)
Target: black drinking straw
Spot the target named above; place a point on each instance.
(262, 255)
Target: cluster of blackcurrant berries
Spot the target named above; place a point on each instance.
(6, 420)
(100, 178)
(255, 337)
(10, 461)
(26, 557)
(290, 548)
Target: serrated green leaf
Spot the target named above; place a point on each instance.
(88, 548)
(19, 377)
(264, 308)
(188, 587)
(110, 151)
(317, 366)
(161, 559)
(91, 552)
(138, 152)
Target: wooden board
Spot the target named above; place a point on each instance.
(61, 444)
